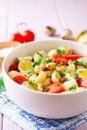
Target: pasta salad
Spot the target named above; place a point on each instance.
(59, 70)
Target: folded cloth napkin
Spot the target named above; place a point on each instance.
(31, 122)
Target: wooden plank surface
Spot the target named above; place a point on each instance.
(38, 14)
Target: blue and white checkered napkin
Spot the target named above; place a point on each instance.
(31, 122)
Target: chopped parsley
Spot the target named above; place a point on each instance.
(39, 54)
(30, 82)
(73, 87)
(75, 74)
(49, 60)
(81, 63)
(59, 51)
(35, 63)
(58, 64)
(85, 68)
(38, 62)
(66, 70)
(31, 71)
(44, 88)
(71, 62)
(50, 74)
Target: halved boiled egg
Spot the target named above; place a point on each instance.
(82, 73)
(24, 65)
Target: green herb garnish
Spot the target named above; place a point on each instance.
(71, 62)
(75, 74)
(66, 70)
(81, 63)
(73, 87)
(49, 60)
(31, 71)
(49, 74)
(38, 62)
(39, 54)
(44, 88)
(85, 68)
(35, 63)
(41, 59)
(59, 51)
(58, 64)
(30, 82)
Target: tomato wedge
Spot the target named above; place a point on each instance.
(13, 67)
(56, 88)
(82, 82)
(19, 79)
(72, 57)
(57, 58)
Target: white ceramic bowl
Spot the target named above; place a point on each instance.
(45, 105)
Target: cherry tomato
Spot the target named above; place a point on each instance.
(13, 67)
(56, 88)
(19, 79)
(82, 82)
(28, 36)
(57, 58)
(17, 37)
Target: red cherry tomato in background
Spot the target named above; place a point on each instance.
(23, 34)
(28, 36)
(17, 37)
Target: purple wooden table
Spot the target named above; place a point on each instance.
(38, 14)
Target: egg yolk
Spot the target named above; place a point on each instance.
(83, 73)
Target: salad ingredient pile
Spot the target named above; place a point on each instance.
(59, 70)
